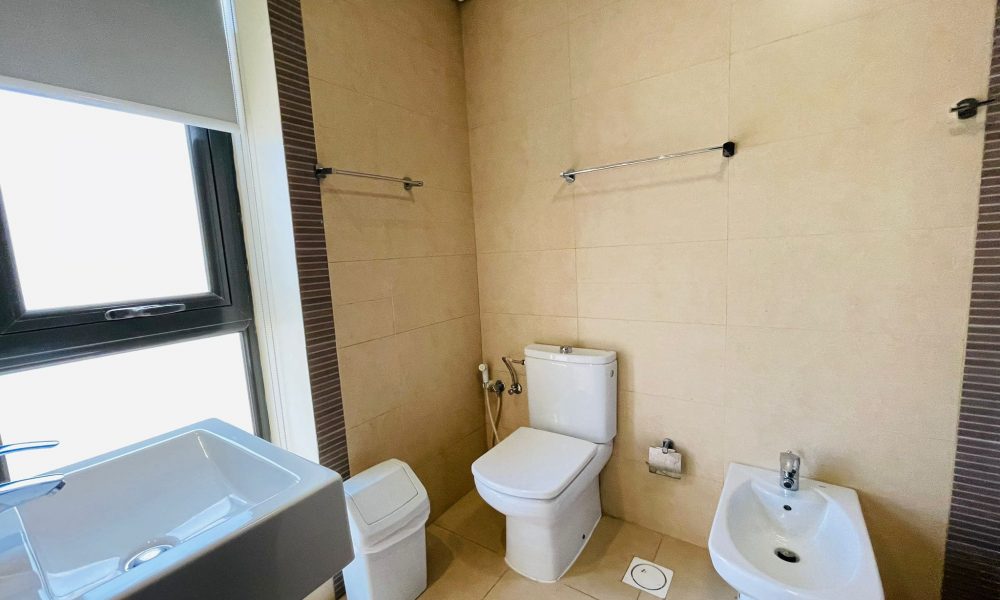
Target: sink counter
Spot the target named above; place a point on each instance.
(208, 507)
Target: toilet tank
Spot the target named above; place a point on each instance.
(573, 391)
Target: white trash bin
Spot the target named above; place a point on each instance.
(387, 508)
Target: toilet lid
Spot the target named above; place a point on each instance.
(531, 463)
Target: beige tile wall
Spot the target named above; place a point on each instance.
(388, 95)
(811, 293)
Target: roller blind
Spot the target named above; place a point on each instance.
(170, 56)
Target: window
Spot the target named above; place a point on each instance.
(119, 234)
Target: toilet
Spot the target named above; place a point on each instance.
(544, 477)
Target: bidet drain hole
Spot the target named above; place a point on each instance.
(786, 507)
(786, 555)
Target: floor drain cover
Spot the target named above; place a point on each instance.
(648, 577)
(786, 555)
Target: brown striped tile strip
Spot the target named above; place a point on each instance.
(310, 240)
(972, 554)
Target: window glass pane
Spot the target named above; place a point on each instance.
(101, 204)
(96, 405)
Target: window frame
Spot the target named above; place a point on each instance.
(37, 338)
(34, 339)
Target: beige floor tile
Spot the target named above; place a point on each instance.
(599, 569)
(694, 576)
(458, 568)
(514, 587)
(475, 520)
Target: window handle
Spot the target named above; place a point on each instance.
(147, 310)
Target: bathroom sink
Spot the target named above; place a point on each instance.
(773, 544)
(207, 508)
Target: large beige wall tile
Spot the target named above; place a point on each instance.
(907, 384)
(681, 110)
(428, 238)
(684, 283)
(333, 28)
(695, 427)
(528, 283)
(447, 474)
(910, 174)
(356, 239)
(525, 216)
(358, 281)
(682, 508)
(757, 22)
(358, 199)
(370, 381)
(345, 128)
(432, 290)
(635, 39)
(667, 359)
(842, 76)
(430, 21)
(525, 73)
(425, 148)
(881, 282)
(363, 321)
(443, 392)
(686, 204)
(412, 73)
(366, 445)
(910, 559)
(487, 23)
(370, 239)
(536, 146)
(507, 335)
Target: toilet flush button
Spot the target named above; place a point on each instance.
(648, 577)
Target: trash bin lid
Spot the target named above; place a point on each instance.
(383, 500)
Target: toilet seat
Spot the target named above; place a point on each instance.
(534, 464)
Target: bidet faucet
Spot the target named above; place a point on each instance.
(515, 385)
(790, 470)
(18, 492)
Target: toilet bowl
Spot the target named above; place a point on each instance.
(544, 477)
(546, 485)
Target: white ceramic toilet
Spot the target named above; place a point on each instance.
(544, 477)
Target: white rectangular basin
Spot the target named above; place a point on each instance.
(207, 508)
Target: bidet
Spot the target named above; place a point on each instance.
(771, 543)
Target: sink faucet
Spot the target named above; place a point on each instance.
(790, 470)
(18, 492)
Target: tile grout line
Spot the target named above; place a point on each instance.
(495, 583)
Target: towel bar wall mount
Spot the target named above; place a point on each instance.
(728, 150)
(408, 184)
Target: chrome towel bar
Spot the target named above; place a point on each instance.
(408, 184)
(728, 150)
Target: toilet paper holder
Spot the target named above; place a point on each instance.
(665, 460)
